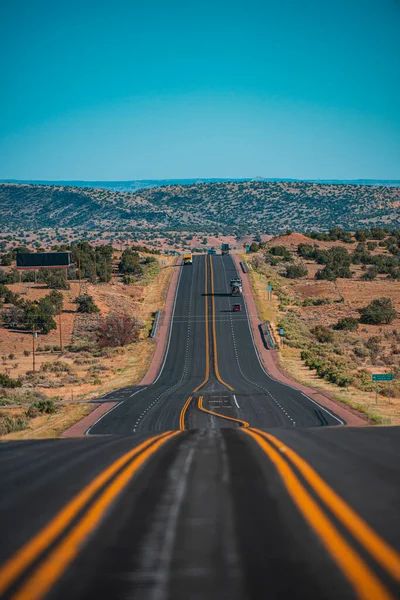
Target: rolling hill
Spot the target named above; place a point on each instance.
(235, 207)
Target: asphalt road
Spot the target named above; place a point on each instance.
(205, 514)
(215, 482)
(235, 385)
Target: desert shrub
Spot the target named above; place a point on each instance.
(254, 247)
(86, 304)
(378, 312)
(54, 278)
(57, 299)
(372, 246)
(347, 324)
(370, 273)
(38, 315)
(280, 251)
(374, 346)
(130, 263)
(297, 334)
(315, 301)
(41, 407)
(7, 382)
(10, 424)
(27, 353)
(362, 235)
(56, 367)
(128, 279)
(306, 251)
(323, 334)
(360, 351)
(337, 263)
(117, 330)
(7, 295)
(296, 271)
(377, 233)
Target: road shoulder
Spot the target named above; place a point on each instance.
(270, 361)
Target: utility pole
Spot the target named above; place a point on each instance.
(61, 341)
(95, 267)
(79, 271)
(33, 349)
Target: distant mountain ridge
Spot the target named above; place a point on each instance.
(231, 208)
(141, 184)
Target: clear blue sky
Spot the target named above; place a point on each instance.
(172, 89)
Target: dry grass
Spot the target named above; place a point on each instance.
(355, 294)
(49, 426)
(89, 376)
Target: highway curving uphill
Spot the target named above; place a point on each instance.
(211, 365)
(219, 482)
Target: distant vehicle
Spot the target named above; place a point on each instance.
(237, 308)
(212, 250)
(236, 286)
(224, 249)
(187, 258)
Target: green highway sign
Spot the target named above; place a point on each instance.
(382, 376)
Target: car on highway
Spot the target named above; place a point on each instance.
(236, 307)
(212, 250)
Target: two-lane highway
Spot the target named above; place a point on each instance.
(212, 513)
(224, 484)
(210, 353)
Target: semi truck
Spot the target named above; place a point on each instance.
(187, 258)
(224, 249)
(236, 286)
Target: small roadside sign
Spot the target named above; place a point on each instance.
(281, 332)
(382, 377)
(163, 262)
(269, 288)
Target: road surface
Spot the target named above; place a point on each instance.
(215, 482)
(211, 354)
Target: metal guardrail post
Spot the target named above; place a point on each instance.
(155, 324)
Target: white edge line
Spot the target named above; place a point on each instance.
(236, 402)
(87, 432)
(170, 328)
(266, 372)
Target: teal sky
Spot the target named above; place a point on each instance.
(102, 90)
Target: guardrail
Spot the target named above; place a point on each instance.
(245, 266)
(153, 332)
(267, 334)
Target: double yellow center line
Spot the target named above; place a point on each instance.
(51, 567)
(215, 414)
(215, 352)
(365, 583)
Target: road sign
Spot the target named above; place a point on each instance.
(269, 288)
(281, 332)
(163, 262)
(382, 377)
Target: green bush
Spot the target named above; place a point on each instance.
(316, 301)
(41, 407)
(379, 311)
(86, 304)
(296, 271)
(8, 382)
(347, 324)
(323, 334)
(10, 424)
